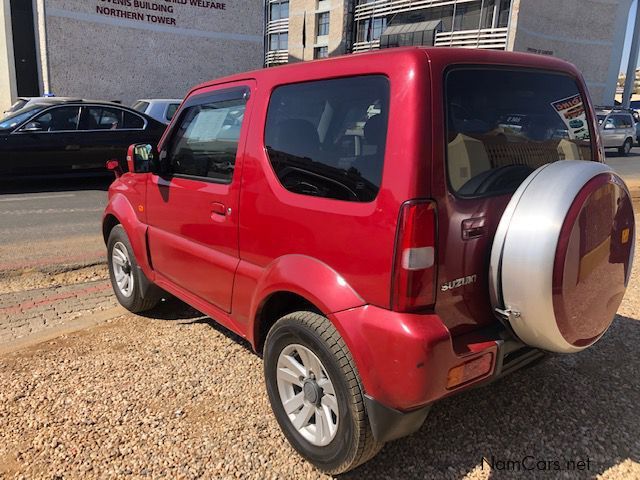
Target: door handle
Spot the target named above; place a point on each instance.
(218, 208)
(473, 228)
(72, 147)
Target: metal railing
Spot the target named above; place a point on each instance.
(387, 7)
(278, 26)
(490, 38)
(276, 57)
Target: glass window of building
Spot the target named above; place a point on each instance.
(467, 16)
(279, 10)
(503, 13)
(321, 52)
(378, 26)
(323, 24)
(278, 41)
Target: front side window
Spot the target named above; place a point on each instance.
(327, 138)
(205, 141)
(59, 119)
(503, 124)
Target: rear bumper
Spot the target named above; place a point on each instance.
(404, 362)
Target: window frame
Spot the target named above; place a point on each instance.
(18, 130)
(321, 23)
(504, 68)
(273, 172)
(228, 94)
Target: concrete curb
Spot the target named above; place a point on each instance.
(83, 322)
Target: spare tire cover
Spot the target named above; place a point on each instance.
(562, 255)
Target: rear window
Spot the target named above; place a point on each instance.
(171, 110)
(327, 138)
(141, 106)
(503, 124)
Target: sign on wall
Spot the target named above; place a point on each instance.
(153, 12)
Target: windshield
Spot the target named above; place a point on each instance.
(16, 118)
(503, 124)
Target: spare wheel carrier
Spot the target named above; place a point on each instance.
(562, 255)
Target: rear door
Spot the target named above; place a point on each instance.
(106, 133)
(192, 210)
(484, 159)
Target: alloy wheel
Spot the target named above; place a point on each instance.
(307, 394)
(122, 270)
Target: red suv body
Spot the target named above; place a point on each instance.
(366, 190)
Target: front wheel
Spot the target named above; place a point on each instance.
(626, 147)
(316, 394)
(127, 279)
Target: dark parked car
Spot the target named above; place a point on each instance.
(71, 136)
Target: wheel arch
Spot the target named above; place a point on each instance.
(293, 283)
(120, 212)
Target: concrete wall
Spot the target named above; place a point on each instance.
(588, 33)
(95, 51)
(7, 65)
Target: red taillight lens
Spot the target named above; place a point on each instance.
(414, 269)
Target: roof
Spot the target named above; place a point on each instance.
(440, 57)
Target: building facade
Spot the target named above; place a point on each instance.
(588, 33)
(124, 49)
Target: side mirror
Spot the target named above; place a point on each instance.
(32, 127)
(141, 158)
(609, 126)
(113, 165)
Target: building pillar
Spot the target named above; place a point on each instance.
(630, 80)
(8, 87)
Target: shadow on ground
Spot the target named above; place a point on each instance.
(171, 308)
(569, 408)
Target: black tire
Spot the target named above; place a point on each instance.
(135, 302)
(353, 443)
(626, 147)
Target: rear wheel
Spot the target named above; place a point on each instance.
(316, 394)
(626, 147)
(127, 279)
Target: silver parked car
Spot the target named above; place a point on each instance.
(617, 129)
(161, 109)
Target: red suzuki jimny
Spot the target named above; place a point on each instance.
(386, 229)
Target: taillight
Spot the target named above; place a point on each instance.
(414, 268)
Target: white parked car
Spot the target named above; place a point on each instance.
(617, 129)
(161, 109)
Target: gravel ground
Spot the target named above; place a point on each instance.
(175, 396)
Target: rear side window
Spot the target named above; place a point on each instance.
(101, 118)
(622, 121)
(327, 138)
(132, 120)
(503, 124)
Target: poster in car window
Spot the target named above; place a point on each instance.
(573, 114)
